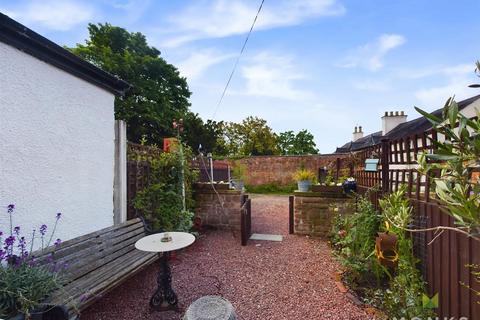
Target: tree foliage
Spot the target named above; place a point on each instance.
(158, 94)
(251, 137)
(205, 133)
(301, 143)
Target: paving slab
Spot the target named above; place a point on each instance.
(266, 237)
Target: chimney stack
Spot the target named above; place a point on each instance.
(392, 119)
(357, 133)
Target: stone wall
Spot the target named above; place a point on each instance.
(280, 169)
(314, 211)
(209, 208)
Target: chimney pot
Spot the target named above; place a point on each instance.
(394, 119)
(357, 133)
(386, 113)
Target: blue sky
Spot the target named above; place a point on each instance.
(322, 65)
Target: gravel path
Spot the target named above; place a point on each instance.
(292, 279)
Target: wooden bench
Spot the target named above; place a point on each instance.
(96, 263)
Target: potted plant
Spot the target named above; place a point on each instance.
(386, 248)
(238, 176)
(304, 179)
(349, 185)
(24, 282)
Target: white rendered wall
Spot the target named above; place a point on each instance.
(56, 147)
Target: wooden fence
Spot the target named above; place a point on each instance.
(445, 261)
(138, 172)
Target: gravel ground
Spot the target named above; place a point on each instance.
(292, 279)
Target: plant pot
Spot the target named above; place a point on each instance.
(238, 184)
(47, 312)
(304, 185)
(349, 187)
(386, 249)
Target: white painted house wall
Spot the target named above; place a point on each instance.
(56, 147)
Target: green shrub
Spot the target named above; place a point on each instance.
(161, 201)
(353, 238)
(404, 295)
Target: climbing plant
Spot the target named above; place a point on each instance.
(161, 201)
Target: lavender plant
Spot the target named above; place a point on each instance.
(24, 282)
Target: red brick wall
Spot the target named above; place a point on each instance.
(280, 169)
(220, 210)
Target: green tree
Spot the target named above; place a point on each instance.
(257, 137)
(290, 143)
(158, 94)
(285, 142)
(304, 144)
(208, 134)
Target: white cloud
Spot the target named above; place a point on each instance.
(54, 15)
(222, 18)
(457, 79)
(371, 55)
(273, 75)
(198, 62)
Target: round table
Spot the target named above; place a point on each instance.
(164, 297)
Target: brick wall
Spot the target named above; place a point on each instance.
(280, 169)
(209, 208)
(314, 212)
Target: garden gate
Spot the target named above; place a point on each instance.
(245, 219)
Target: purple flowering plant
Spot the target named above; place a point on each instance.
(26, 280)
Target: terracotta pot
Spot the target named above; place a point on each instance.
(386, 249)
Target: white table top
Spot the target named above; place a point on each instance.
(153, 243)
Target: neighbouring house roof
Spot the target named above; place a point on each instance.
(415, 126)
(28, 41)
(369, 140)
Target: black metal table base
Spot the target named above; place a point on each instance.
(164, 297)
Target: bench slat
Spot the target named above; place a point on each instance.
(97, 262)
(82, 267)
(89, 242)
(85, 290)
(105, 246)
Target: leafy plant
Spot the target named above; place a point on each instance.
(329, 180)
(161, 201)
(457, 154)
(353, 238)
(24, 283)
(24, 287)
(403, 298)
(304, 175)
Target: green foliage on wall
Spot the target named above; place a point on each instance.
(161, 201)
